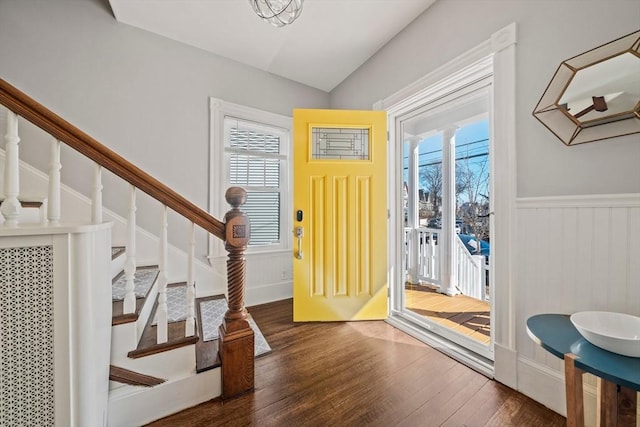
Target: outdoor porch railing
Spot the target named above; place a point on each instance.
(422, 262)
(422, 257)
(471, 272)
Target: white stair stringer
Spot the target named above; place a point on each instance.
(131, 406)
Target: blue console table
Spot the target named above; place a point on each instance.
(618, 376)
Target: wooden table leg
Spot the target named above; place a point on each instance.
(573, 390)
(616, 405)
(607, 403)
(627, 405)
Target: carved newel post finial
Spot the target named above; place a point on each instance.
(236, 336)
(236, 197)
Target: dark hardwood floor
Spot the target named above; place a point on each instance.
(361, 373)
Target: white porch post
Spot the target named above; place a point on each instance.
(11, 206)
(413, 219)
(449, 254)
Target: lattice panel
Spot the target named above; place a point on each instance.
(26, 336)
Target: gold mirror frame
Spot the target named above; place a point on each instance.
(570, 127)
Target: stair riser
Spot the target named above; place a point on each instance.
(134, 406)
(170, 365)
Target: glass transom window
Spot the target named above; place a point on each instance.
(340, 144)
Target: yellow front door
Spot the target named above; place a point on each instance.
(339, 215)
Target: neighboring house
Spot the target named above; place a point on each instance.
(572, 209)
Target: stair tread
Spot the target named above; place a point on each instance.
(176, 303)
(117, 306)
(148, 343)
(207, 356)
(144, 278)
(127, 376)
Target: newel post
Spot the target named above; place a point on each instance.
(236, 336)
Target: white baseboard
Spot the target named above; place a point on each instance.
(542, 384)
(547, 387)
(268, 293)
(131, 406)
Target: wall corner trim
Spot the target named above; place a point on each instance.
(505, 365)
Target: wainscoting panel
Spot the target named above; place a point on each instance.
(574, 254)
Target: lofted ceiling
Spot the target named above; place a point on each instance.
(329, 40)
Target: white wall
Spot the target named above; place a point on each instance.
(142, 95)
(548, 33)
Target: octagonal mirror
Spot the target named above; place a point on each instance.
(595, 95)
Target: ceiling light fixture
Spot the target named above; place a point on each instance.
(277, 12)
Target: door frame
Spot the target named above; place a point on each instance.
(500, 49)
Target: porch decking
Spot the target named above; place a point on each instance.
(465, 315)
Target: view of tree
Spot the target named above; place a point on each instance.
(431, 180)
(474, 181)
(472, 194)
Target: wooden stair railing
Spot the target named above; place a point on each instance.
(54, 125)
(236, 341)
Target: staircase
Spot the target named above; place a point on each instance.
(159, 361)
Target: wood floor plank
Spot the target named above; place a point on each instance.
(359, 374)
(481, 407)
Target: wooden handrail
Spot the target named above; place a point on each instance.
(39, 115)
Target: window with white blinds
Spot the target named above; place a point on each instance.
(256, 156)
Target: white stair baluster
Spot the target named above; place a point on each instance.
(161, 311)
(190, 324)
(96, 197)
(129, 305)
(53, 202)
(11, 206)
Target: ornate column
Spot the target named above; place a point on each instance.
(236, 336)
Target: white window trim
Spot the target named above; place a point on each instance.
(218, 168)
(501, 47)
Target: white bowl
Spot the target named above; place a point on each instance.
(616, 332)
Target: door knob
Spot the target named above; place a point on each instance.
(299, 232)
